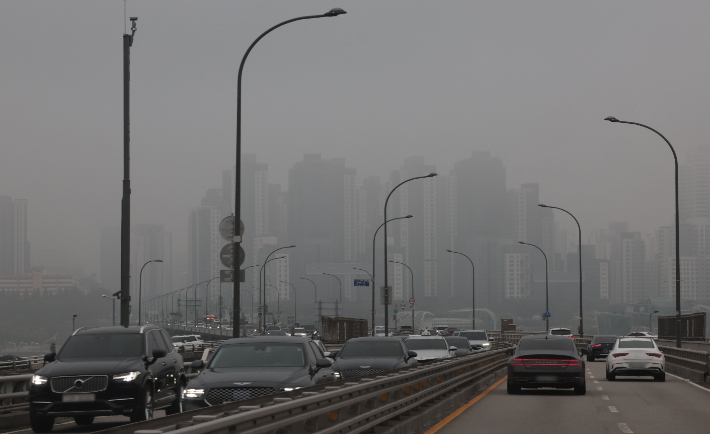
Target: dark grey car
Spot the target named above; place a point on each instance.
(371, 356)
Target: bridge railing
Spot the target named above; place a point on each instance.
(24, 364)
(690, 359)
(14, 391)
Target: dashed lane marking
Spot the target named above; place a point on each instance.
(599, 388)
(613, 409)
(463, 408)
(596, 381)
(605, 397)
(625, 428)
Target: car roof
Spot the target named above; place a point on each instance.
(424, 337)
(473, 331)
(560, 328)
(375, 339)
(286, 339)
(544, 336)
(114, 330)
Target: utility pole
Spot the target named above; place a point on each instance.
(126, 200)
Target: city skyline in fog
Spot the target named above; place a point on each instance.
(529, 82)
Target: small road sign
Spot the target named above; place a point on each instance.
(225, 276)
(547, 314)
(373, 312)
(361, 282)
(411, 300)
(226, 228)
(226, 255)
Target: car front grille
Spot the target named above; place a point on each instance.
(218, 396)
(79, 384)
(350, 373)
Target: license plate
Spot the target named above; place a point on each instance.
(546, 378)
(637, 365)
(79, 397)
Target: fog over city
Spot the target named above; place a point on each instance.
(528, 82)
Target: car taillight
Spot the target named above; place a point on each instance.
(597, 345)
(654, 355)
(517, 361)
(571, 336)
(620, 354)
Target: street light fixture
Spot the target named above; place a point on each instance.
(389, 296)
(73, 327)
(473, 289)
(238, 166)
(263, 274)
(581, 321)
(547, 299)
(412, 290)
(341, 296)
(140, 287)
(373, 266)
(677, 225)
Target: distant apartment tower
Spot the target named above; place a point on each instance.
(694, 185)
(633, 265)
(149, 243)
(204, 240)
(14, 247)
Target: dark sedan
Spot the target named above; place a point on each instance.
(251, 367)
(600, 347)
(371, 355)
(546, 361)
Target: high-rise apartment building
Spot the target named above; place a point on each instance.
(14, 247)
(694, 185)
(151, 242)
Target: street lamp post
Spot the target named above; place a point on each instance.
(412, 290)
(295, 300)
(373, 267)
(207, 294)
(263, 279)
(650, 322)
(73, 327)
(315, 291)
(581, 321)
(389, 295)
(252, 311)
(140, 287)
(547, 299)
(238, 166)
(278, 302)
(113, 299)
(473, 289)
(341, 295)
(677, 226)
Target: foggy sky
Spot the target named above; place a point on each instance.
(530, 81)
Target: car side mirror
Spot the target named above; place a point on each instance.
(452, 348)
(157, 354)
(510, 351)
(197, 364)
(584, 351)
(324, 363)
(50, 357)
(332, 355)
(491, 339)
(411, 354)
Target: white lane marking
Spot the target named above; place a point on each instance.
(596, 381)
(599, 388)
(613, 409)
(605, 397)
(591, 376)
(625, 428)
(689, 382)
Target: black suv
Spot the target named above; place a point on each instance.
(100, 371)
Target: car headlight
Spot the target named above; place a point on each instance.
(193, 393)
(486, 344)
(126, 376)
(39, 380)
(336, 374)
(289, 389)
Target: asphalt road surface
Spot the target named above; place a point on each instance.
(67, 425)
(627, 405)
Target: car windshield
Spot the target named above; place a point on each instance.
(560, 332)
(637, 344)
(474, 336)
(371, 349)
(604, 339)
(299, 330)
(275, 333)
(107, 345)
(259, 355)
(178, 338)
(426, 344)
(546, 344)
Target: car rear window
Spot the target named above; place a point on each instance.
(546, 344)
(371, 349)
(561, 332)
(637, 344)
(604, 339)
(255, 355)
(426, 344)
(109, 345)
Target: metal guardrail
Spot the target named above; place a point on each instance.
(14, 390)
(24, 364)
(691, 359)
(347, 406)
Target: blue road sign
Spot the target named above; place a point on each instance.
(547, 314)
(361, 282)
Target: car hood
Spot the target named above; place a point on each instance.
(91, 366)
(371, 362)
(253, 377)
(478, 342)
(431, 354)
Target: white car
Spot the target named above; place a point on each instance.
(476, 338)
(635, 357)
(430, 347)
(195, 341)
(560, 331)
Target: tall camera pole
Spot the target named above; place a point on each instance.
(126, 200)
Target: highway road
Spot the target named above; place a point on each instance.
(67, 425)
(631, 405)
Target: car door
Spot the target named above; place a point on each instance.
(159, 368)
(174, 361)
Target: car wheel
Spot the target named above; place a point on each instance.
(176, 406)
(609, 375)
(41, 423)
(660, 377)
(590, 358)
(513, 389)
(144, 411)
(581, 389)
(84, 420)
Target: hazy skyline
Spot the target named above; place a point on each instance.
(531, 82)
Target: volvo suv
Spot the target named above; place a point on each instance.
(129, 371)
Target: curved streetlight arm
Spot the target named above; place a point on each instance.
(473, 288)
(411, 273)
(341, 294)
(140, 286)
(581, 320)
(547, 298)
(315, 289)
(363, 270)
